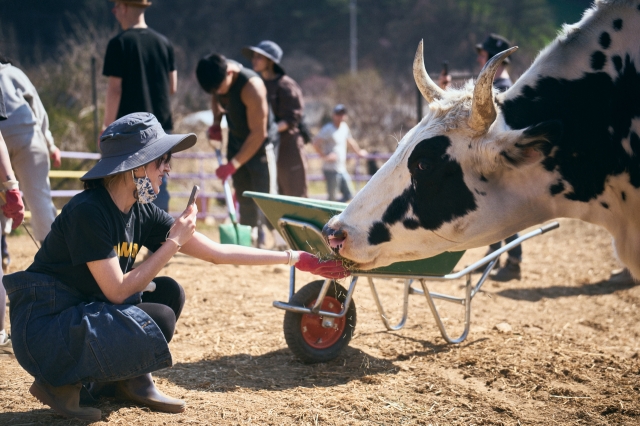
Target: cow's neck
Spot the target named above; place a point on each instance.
(589, 80)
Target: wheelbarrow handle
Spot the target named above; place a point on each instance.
(549, 227)
(231, 207)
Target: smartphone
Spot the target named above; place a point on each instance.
(445, 68)
(194, 195)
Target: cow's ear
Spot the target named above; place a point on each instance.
(534, 144)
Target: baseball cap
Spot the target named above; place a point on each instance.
(340, 109)
(494, 44)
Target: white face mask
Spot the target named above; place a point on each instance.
(146, 194)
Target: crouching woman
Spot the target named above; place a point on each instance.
(80, 313)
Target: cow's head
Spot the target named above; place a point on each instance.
(459, 179)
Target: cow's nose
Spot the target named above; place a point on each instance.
(328, 231)
(335, 237)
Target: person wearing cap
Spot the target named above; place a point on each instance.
(140, 66)
(285, 99)
(486, 50)
(13, 208)
(80, 313)
(332, 143)
(240, 94)
(31, 148)
(490, 47)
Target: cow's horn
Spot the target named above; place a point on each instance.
(428, 88)
(483, 109)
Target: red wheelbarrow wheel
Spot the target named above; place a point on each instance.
(307, 336)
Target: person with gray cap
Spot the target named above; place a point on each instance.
(285, 99)
(13, 208)
(81, 314)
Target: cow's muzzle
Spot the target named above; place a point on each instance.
(335, 237)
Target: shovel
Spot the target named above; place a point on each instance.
(232, 233)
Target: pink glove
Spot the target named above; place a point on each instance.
(14, 207)
(215, 132)
(333, 269)
(223, 172)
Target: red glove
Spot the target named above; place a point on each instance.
(223, 172)
(14, 207)
(215, 132)
(333, 269)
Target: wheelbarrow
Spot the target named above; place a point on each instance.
(320, 318)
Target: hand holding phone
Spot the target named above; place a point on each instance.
(194, 194)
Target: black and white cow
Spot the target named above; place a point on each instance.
(564, 141)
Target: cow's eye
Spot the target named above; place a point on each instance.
(423, 164)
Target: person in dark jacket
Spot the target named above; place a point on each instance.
(285, 99)
(81, 314)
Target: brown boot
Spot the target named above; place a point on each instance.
(141, 390)
(64, 400)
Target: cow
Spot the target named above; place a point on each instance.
(480, 166)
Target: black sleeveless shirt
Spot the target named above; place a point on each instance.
(236, 113)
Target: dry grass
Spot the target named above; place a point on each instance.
(572, 357)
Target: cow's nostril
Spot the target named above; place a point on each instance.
(340, 234)
(327, 230)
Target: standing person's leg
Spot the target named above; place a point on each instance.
(331, 177)
(31, 163)
(511, 269)
(292, 174)
(252, 176)
(515, 254)
(346, 186)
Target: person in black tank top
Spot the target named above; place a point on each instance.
(241, 95)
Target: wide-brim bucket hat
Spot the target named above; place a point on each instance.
(268, 49)
(133, 141)
(139, 3)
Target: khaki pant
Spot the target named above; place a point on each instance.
(30, 162)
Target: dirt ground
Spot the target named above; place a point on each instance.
(571, 357)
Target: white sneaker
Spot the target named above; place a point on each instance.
(6, 348)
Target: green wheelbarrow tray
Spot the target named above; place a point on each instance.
(284, 212)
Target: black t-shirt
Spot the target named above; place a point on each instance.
(143, 59)
(91, 227)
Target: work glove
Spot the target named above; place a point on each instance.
(13, 207)
(333, 269)
(223, 172)
(215, 132)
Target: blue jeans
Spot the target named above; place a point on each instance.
(62, 337)
(515, 253)
(340, 180)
